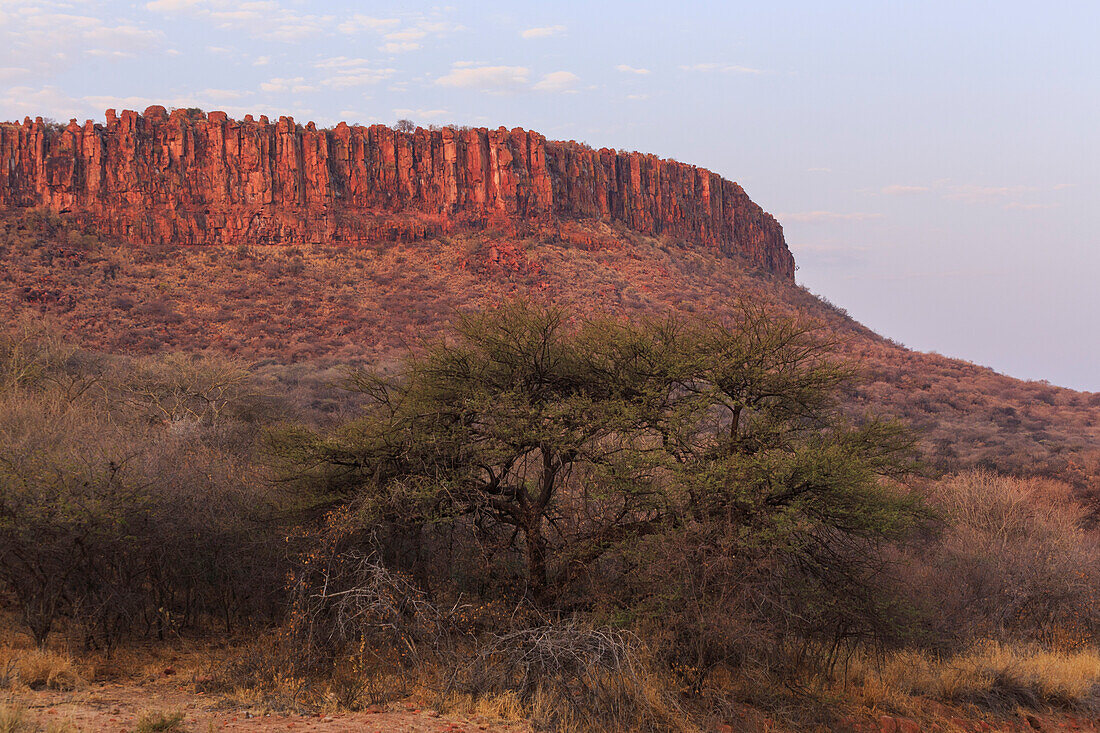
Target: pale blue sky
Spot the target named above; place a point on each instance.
(934, 164)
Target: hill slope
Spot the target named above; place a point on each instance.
(369, 302)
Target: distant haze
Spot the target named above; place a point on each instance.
(935, 165)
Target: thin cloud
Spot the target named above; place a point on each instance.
(506, 79)
(223, 94)
(831, 255)
(13, 72)
(974, 194)
(937, 274)
(828, 248)
(342, 72)
(901, 190)
(47, 37)
(400, 34)
(971, 193)
(296, 85)
(172, 6)
(557, 81)
(411, 34)
(26, 101)
(497, 79)
(721, 68)
(360, 23)
(543, 32)
(352, 116)
(399, 47)
(1019, 206)
(818, 216)
(420, 114)
(627, 69)
(266, 19)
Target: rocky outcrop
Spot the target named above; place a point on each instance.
(191, 178)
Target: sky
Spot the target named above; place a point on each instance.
(935, 165)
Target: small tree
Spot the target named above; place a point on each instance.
(404, 125)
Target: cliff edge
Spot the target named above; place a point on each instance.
(192, 178)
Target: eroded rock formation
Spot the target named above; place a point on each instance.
(206, 179)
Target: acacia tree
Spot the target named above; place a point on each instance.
(784, 504)
(495, 426)
(578, 438)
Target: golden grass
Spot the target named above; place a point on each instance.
(989, 674)
(160, 722)
(13, 719)
(39, 669)
(506, 706)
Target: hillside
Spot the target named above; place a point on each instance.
(331, 304)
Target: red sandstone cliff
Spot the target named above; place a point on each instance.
(196, 179)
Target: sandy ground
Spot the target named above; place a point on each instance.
(119, 707)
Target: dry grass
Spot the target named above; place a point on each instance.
(39, 669)
(546, 710)
(990, 675)
(506, 706)
(160, 722)
(15, 719)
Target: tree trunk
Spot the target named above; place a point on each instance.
(536, 561)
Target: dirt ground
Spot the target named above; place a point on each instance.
(119, 707)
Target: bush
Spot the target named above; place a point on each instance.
(570, 676)
(1014, 563)
(127, 505)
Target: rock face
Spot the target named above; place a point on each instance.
(190, 178)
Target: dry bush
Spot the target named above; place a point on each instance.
(355, 632)
(1014, 562)
(345, 601)
(358, 632)
(569, 676)
(129, 500)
